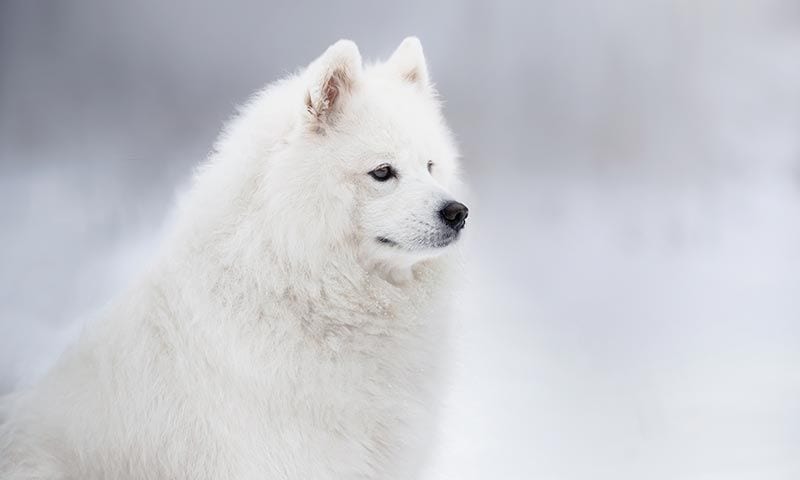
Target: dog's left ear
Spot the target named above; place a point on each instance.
(408, 62)
(331, 79)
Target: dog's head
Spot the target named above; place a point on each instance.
(383, 127)
(375, 157)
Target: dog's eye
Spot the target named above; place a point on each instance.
(383, 173)
(430, 166)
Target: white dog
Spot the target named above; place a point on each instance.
(291, 326)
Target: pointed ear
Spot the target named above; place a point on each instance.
(331, 79)
(408, 62)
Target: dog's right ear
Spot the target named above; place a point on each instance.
(408, 62)
(331, 80)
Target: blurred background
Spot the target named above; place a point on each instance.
(632, 306)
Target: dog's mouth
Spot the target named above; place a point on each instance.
(387, 242)
(436, 243)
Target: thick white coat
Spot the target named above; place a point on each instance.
(273, 337)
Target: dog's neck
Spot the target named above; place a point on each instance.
(334, 278)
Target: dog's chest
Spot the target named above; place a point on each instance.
(345, 404)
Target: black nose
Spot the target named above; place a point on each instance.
(454, 214)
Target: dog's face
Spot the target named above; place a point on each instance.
(382, 139)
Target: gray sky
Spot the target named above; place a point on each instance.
(631, 307)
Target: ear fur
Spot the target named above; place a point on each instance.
(331, 79)
(408, 62)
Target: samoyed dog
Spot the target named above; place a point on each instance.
(293, 322)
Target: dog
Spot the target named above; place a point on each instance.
(293, 322)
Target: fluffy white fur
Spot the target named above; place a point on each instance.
(275, 336)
